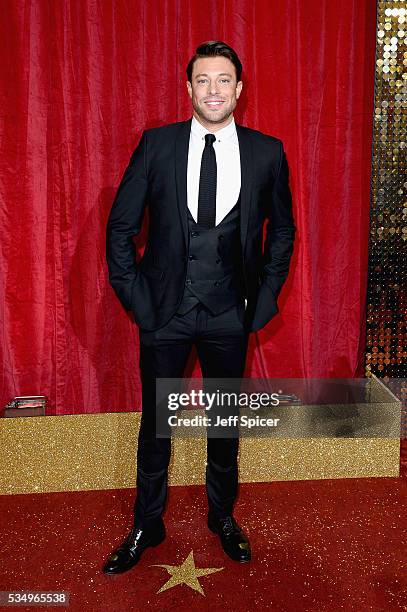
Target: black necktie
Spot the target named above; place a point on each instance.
(207, 185)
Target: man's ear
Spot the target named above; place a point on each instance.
(189, 88)
(239, 87)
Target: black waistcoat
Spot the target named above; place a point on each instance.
(214, 273)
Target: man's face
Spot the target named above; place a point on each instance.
(214, 91)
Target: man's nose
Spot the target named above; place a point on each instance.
(213, 88)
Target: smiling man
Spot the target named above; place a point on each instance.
(214, 91)
(204, 280)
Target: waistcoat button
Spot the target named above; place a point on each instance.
(194, 234)
(191, 257)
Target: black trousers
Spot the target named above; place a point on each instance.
(221, 342)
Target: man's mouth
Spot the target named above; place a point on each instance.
(214, 103)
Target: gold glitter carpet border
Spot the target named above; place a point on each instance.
(98, 451)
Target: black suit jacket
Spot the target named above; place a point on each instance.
(156, 176)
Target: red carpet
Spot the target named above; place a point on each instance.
(322, 545)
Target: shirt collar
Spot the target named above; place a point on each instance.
(223, 134)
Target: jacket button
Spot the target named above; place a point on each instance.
(188, 281)
(191, 257)
(194, 234)
(216, 283)
(218, 261)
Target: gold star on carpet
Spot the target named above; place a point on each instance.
(186, 573)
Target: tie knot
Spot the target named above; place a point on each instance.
(209, 139)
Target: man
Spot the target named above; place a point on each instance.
(204, 278)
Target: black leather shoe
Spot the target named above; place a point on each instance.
(130, 551)
(233, 540)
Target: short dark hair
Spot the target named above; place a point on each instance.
(212, 48)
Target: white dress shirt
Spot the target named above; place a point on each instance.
(228, 179)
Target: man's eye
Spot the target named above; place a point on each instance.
(201, 80)
(225, 81)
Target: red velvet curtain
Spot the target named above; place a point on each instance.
(79, 82)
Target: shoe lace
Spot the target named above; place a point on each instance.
(227, 525)
(134, 536)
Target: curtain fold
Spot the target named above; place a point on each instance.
(79, 83)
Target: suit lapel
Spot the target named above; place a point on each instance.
(181, 164)
(246, 167)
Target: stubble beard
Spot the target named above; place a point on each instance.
(211, 117)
